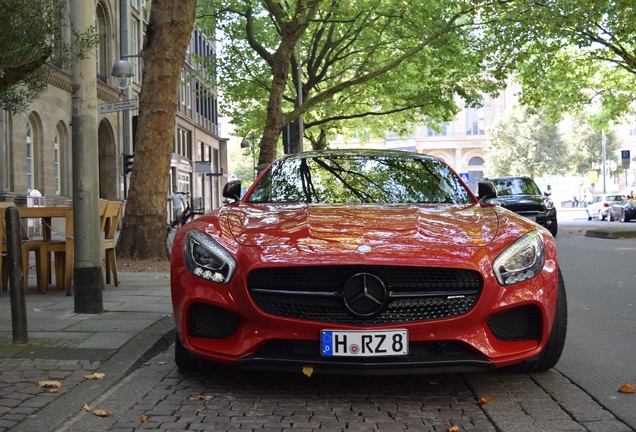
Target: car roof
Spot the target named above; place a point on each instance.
(361, 152)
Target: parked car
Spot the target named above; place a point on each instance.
(599, 208)
(522, 196)
(623, 211)
(365, 262)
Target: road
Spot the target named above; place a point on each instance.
(580, 394)
(600, 277)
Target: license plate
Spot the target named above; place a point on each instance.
(364, 343)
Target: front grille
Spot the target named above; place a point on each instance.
(209, 321)
(285, 348)
(315, 293)
(516, 324)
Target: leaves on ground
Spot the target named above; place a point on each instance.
(102, 413)
(96, 375)
(452, 429)
(483, 401)
(308, 370)
(627, 388)
(143, 418)
(86, 408)
(49, 384)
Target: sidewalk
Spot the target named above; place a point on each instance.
(64, 347)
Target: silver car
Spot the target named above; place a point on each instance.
(599, 208)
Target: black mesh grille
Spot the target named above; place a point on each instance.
(315, 293)
(517, 324)
(312, 349)
(208, 321)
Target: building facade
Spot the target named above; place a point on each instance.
(36, 145)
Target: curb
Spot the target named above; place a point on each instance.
(145, 345)
(610, 234)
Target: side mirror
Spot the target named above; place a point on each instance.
(232, 190)
(486, 190)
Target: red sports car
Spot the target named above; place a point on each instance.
(365, 262)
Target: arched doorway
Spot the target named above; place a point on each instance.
(108, 162)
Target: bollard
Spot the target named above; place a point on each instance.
(16, 276)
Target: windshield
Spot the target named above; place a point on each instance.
(360, 179)
(516, 186)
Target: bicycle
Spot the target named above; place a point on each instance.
(186, 216)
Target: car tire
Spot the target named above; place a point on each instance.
(624, 217)
(600, 215)
(610, 217)
(589, 217)
(551, 354)
(554, 229)
(185, 361)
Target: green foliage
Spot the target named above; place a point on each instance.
(585, 144)
(31, 36)
(569, 54)
(372, 65)
(525, 144)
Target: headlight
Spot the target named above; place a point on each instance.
(521, 261)
(549, 204)
(206, 259)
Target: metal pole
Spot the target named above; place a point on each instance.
(16, 276)
(88, 256)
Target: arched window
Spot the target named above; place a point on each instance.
(102, 51)
(56, 162)
(476, 161)
(30, 157)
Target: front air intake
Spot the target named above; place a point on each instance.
(207, 321)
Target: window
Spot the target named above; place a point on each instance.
(442, 131)
(475, 122)
(30, 175)
(56, 162)
(102, 51)
(135, 49)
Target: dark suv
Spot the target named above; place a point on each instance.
(522, 196)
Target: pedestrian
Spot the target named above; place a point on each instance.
(177, 203)
(630, 195)
(575, 201)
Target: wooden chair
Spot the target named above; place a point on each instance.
(109, 228)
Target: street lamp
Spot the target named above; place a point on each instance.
(252, 146)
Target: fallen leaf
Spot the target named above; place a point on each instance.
(85, 408)
(627, 388)
(143, 418)
(146, 364)
(102, 413)
(452, 429)
(53, 390)
(161, 363)
(49, 384)
(96, 375)
(200, 398)
(308, 370)
(198, 409)
(483, 401)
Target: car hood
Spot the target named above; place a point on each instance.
(471, 225)
(534, 202)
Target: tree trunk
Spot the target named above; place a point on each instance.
(143, 234)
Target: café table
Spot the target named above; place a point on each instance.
(46, 214)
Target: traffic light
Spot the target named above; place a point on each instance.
(128, 163)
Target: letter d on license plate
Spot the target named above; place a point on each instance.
(364, 343)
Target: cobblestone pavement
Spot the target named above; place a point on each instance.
(259, 401)
(20, 395)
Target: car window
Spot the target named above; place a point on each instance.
(359, 179)
(516, 186)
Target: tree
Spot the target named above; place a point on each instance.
(585, 144)
(522, 144)
(30, 36)
(568, 54)
(143, 234)
(403, 62)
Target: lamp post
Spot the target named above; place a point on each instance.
(123, 73)
(252, 146)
